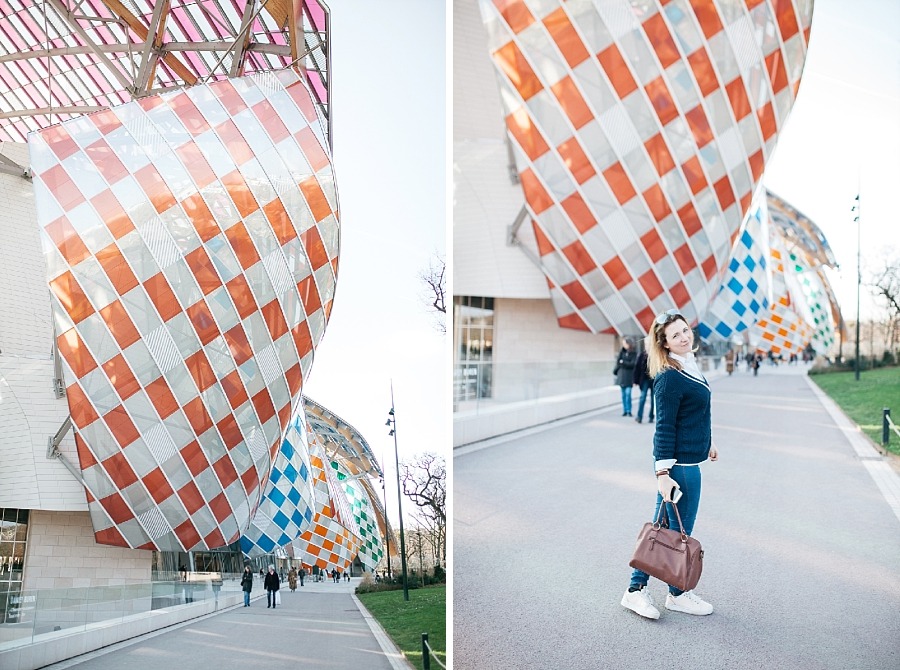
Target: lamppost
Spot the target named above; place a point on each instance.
(387, 529)
(392, 422)
(856, 209)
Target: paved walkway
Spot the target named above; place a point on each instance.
(800, 522)
(321, 625)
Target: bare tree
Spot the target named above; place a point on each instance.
(435, 281)
(884, 282)
(425, 483)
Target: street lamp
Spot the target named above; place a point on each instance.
(392, 422)
(387, 529)
(856, 209)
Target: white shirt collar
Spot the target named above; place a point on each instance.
(689, 363)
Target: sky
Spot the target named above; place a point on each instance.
(843, 138)
(389, 119)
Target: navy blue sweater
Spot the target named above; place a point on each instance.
(683, 420)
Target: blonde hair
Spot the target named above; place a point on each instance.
(657, 355)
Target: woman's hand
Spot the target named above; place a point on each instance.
(665, 484)
(713, 453)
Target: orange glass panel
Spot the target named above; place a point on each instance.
(724, 192)
(294, 377)
(617, 272)
(106, 121)
(220, 507)
(301, 97)
(203, 270)
(117, 509)
(690, 221)
(661, 40)
(225, 470)
(71, 296)
(662, 100)
(659, 154)
(242, 296)
(579, 258)
(522, 128)
(235, 143)
(537, 197)
(195, 163)
(315, 248)
(234, 389)
(250, 480)
(563, 33)
(120, 324)
(517, 69)
(121, 376)
(238, 343)
(157, 485)
(576, 160)
(280, 221)
(270, 120)
(579, 213)
(708, 16)
(775, 68)
(190, 496)
(651, 284)
(767, 124)
(242, 245)
(119, 471)
(231, 100)
(572, 321)
(680, 293)
(121, 426)
(737, 96)
(302, 338)
(85, 457)
(67, 240)
(699, 126)
(313, 151)
(274, 319)
(545, 246)
(693, 173)
(309, 294)
(197, 416)
(787, 20)
(162, 296)
(194, 458)
(515, 13)
(107, 206)
(577, 294)
(202, 219)
(709, 267)
(62, 187)
(314, 197)
(117, 269)
(200, 369)
(617, 70)
(80, 408)
(230, 431)
(203, 322)
(155, 187)
(619, 183)
(685, 258)
(571, 102)
(187, 534)
(703, 71)
(757, 163)
(161, 396)
(262, 401)
(657, 203)
(190, 116)
(240, 193)
(106, 161)
(653, 245)
(59, 140)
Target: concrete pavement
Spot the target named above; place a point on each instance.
(321, 625)
(797, 521)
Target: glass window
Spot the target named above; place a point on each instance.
(474, 344)
(13, 534)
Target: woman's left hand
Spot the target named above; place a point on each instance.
(713, 453)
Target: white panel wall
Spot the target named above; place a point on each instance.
(62, 553)
(30, 413)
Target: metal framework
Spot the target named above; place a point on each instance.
(63, 58)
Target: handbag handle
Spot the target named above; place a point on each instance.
(663, 515)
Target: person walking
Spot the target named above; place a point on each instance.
(644, 382)
(247, 584)
(272, 584)
(681, 442)
(624, 372)
(302, 574)
(292, 579)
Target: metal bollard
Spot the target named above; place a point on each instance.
(885, 426)
(426, 655)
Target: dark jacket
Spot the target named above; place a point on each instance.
(624, 369)
(247, 582)
(683, 419)
(272, 582)
(641, 373)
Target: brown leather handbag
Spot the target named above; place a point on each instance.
(669, 555)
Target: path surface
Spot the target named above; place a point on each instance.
(318, 626)
(802, 547)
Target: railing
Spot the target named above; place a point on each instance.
(29, 614)
(887, 425)
(428, 654)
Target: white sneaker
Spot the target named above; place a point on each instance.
(640, 602)
(689, 603)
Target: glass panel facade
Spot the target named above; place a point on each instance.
(473, 339)
(13, 535)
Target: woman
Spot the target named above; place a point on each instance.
(292, 579)
(683, 440)
(624, 372)
(644, 382)
(272, 584)
(247, 584)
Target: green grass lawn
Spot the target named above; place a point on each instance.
(426, 612)
(863, 400)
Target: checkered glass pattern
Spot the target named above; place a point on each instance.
(743, 295)
(640, 131)
(371, 549)
(191, 240)
(285, 510)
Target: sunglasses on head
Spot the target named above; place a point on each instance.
(665, 316)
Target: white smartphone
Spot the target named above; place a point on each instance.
(675, 496)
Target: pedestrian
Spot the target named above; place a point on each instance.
(302, 574)
(292, 579)
(729, 361)
(644, 382)
(247, 584)
(272, 585)
(624, 372)
(681, 442)
(756, 361)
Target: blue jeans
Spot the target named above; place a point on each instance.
(688, 478)
(626, 399)
(646, 389)
(247, 598)
(270, 598)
